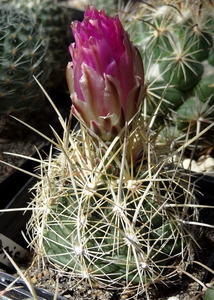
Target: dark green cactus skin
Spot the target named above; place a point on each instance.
(22, 50)
(177, 38)
(167, 96)
(205, 89)
(190, 111)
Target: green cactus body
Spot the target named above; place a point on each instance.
(53, 17)
(107, 241)
(200, 45)
(193, 114)
(184, 74)
(176, 43)
(159, 93)
(211, 57)
(205, 89)
(55, 21)
(22, 50)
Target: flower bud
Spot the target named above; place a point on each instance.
(106, 76)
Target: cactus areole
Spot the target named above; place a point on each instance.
(106, 75)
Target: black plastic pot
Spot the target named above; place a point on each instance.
(14, 191)
(20, 290)
(204, 192)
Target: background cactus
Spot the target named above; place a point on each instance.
(110, 6)
(34, 41)
(55, 20)
(176, 43)
(23, 50)
(118, 213)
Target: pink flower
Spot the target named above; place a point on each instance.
(106, 76)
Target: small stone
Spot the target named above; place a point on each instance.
(40, 275)
(208, 164)
(189, 164)
(46, 273)
(33, 279)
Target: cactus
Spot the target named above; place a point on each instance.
(110, 6)
(112, 207)
(23, 50)
(114, 225)
(176, 43)
(55, 19)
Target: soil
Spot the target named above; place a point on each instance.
(18, 138)
(25, 145)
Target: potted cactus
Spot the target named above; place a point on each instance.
(114, 207)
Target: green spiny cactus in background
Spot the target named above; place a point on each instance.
(176, 42)
(112, 207)
(55, 20)
(23, 48)
(110, 6)
(34, 41)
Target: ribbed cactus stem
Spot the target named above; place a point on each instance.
(176, 44)
(120, 230)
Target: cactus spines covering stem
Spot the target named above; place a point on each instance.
(22, 51)
(128, 228)
(52, 16)
(117, 212)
